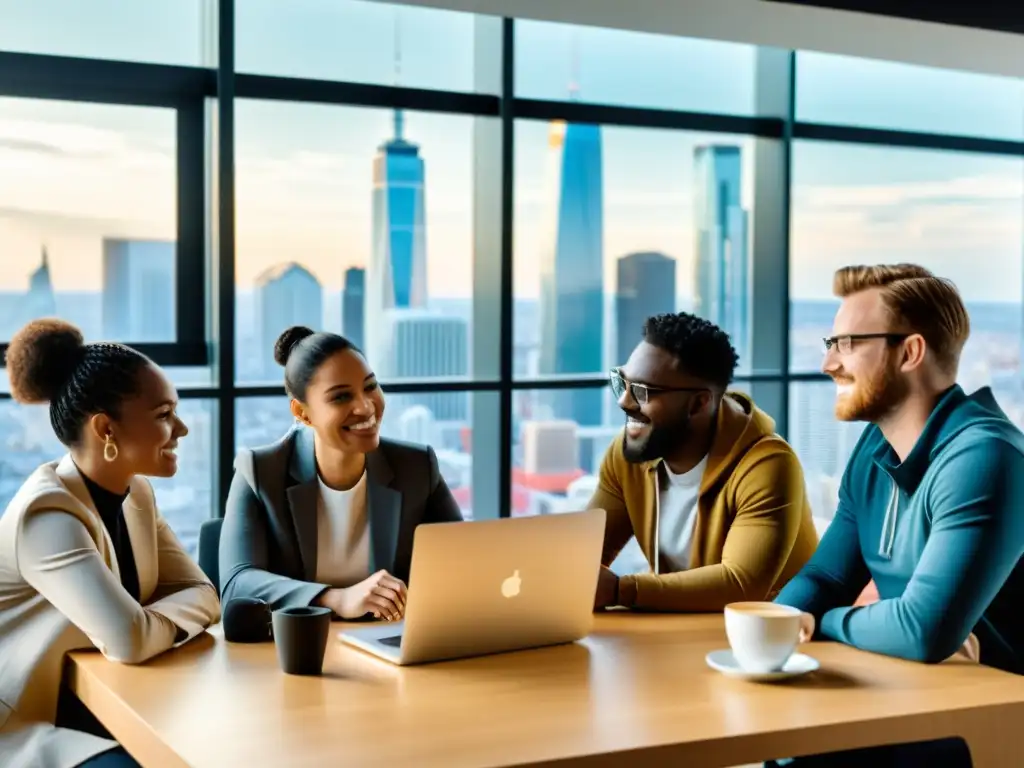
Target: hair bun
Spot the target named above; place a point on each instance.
(41, 359)
(286, 342)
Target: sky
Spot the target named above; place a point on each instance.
(71, 174)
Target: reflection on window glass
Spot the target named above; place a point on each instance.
(88, 230)
(841, 90)
(443, 420)
(355, 221)
(615, 224)
(363, 42)
(958, 214)
(185, 500)
(160, 31)
(636, 69)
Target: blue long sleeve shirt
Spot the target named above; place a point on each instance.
(941, 534)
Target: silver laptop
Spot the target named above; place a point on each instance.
(493, 585)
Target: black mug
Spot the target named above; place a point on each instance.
(301, 638)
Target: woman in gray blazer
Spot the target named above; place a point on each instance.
(85, 558)
(325, 516)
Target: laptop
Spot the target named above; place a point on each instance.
(491, 586)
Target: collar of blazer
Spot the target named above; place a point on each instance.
(139, 513)
(384, 503)
(303, 461)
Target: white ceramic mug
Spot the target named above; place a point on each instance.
(762, 635)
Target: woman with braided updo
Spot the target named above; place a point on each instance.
(85, 558)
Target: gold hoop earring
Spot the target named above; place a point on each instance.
(109, 448)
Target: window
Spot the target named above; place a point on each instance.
(185, 501)
(89, 222)
(882, 94)
(356, 221)
(369, 200)
(959, 214)
(362, 42)
(556, 459)
(823, 444)
(615, 224)
(88, 218)
(446, 421)
(161, 31)
(560, 62)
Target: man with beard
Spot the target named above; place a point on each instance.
(931, 506)
(714, 497)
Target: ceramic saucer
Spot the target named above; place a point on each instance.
(797, 665)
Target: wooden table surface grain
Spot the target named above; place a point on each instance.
(637, 690)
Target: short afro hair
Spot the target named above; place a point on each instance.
(701, 348)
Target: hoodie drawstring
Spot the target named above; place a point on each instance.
(888, 537)
(657, 527)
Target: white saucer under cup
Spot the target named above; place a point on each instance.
(762, 635)
(796, 665)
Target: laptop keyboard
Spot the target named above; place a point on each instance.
(394, 641)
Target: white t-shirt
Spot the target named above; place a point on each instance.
(677, 508)
(343, 535)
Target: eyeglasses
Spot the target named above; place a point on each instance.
(642, 392)
(844, 343)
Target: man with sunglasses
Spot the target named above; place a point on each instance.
(715, 498)
(931, 505)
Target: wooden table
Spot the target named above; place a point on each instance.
(636, 692)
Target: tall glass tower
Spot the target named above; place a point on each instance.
(399, 268)
(723, 257)
(572, 267)
(397, 273)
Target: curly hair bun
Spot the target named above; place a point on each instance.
(41, 359)
(286, 342)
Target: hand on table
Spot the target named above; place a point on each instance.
(970, 650)
(607, 588)
(382, 595)
(807, 624)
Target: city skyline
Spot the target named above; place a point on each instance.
(363, 218)
(303, 169)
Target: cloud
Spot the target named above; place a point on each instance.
(61, 222)
(28, 145)
(974, 190)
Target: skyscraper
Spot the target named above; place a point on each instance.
(398, 263)
(286, 295)
(646, 286)
(723, 259)
(138, 290)
(571, 300)
(40, 301)
(353, 305)
(423, 344)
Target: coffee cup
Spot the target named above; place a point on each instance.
(762, 635)
(300, 635)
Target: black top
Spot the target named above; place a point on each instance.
(109, 506)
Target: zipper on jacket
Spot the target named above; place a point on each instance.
(888, 536)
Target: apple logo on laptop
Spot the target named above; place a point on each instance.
(510, 586)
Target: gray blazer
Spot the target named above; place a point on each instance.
(268, 545)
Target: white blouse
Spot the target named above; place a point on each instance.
(343, 535)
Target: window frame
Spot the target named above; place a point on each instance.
(183, 89)
(204, 101)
